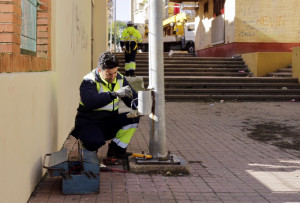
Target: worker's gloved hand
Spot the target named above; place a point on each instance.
(124, 92)
(133, 114)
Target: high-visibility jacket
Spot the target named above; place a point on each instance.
(103, 86)
(130, 34)
(98, 105)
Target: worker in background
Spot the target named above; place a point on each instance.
(129, 43)
(98, 119)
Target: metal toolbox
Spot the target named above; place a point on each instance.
(78, 177)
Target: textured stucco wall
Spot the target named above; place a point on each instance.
(100, 29)
(251, 61)
(204, 24)
(296, 63)
(38, 108)
(256, 21)
(29, 129)
(262, 63)
(267, 21)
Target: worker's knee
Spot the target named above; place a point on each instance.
(93, 144)
(91, 136)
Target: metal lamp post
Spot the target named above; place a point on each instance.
(157, 144)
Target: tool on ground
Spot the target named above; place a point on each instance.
(78, 177)
(111, 161)
(104, 168)
(144, 156)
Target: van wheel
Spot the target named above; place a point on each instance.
(190, 48)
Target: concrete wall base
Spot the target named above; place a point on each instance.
(237, 48)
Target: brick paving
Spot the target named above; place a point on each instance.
(226, 165)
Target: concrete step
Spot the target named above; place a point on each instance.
(225, 98)
(192, 65)
(285, 70)
(231, 85)
(213, 59)
(179, 61)
(194, 82)
(197, 79)
(218, 78)
(199, 73)
(205, 91)
(280, 74)
(166, 54)
(198, 69)
(119, 54)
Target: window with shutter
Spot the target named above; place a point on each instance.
(218, 7)
(28, 29)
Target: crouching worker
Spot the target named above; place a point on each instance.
(97, 118)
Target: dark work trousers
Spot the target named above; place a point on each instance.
(94, 134)
(130, 57)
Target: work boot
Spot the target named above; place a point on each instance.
(132, 73)
(118, 152)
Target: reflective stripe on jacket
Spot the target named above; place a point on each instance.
(131, 34)
(103, 86)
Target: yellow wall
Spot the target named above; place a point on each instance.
(251, 61)
(267, 21)
(296, 63)
(38, 109)
(262, 63)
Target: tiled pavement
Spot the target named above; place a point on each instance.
(226, 165)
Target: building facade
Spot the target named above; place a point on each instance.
(41, 68)
(233, 27)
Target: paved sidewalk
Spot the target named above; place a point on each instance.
(236, 152)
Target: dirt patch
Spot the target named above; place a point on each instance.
(282, 136)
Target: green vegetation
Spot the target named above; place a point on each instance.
(120, 26)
